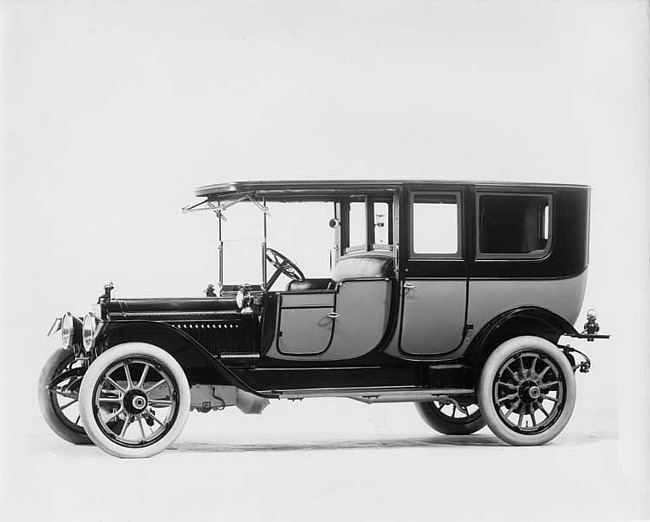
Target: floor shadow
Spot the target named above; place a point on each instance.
(478, 440)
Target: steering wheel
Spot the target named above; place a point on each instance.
(282, 265)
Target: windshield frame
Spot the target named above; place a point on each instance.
(340, 223)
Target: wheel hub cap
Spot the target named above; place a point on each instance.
(529, 392)
(135, 401)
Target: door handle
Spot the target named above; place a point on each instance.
(409, 286)
(333, 315)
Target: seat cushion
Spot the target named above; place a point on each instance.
(362, 266)
(309, 284)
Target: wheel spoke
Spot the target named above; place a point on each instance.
(127, 423)
(534, 363)
(506, 398)
(522, 369)
(129, 381)
(532, 416)
(509, 385)
(548, 384)
(547, 414)
(115, 384)
(512, 408)
(546, 396)
(541, 374)
(144, 375)
(69, 404)
(521, 419)
(115, 415)
(110, 399)
(152, 417)
(73, 380)
(164, 402)
(453, 411)
(153, 387)
(514, 374)
(141, 428)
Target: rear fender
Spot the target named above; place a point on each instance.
(524, 320)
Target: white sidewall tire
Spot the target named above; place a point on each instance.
(439, 423)
(86, 399)
(46, 405)
(489, 371)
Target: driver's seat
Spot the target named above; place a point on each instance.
(311, 284)
(354, 266)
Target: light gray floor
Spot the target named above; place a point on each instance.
(329, 459)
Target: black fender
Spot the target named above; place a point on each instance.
(523, 320)
(199, 364)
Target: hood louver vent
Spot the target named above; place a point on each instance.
(219, 337)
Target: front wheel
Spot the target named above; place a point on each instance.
(134, 400)
(527, 391)
(451, 418)
(59, 404)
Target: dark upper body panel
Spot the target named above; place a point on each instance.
(566, 257)
(170, 307)
(568, 252)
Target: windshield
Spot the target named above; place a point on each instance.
(299, 230)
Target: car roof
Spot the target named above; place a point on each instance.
(333, 187)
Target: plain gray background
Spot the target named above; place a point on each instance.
(114, 111)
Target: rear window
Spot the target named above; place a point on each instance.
(514, 225)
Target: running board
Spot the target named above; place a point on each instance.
(374, 395)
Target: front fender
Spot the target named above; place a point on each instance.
(197, 362)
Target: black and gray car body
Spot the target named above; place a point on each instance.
(458, 297)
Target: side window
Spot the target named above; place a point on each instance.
(381, 223)
(369, 224)
(513, 225)
(435, 224)
(357, 220)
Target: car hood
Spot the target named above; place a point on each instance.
(171, 308)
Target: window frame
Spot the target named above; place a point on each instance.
(369, 245)
(346, 209)
(460, 251)
(523, 256)
(373, 246)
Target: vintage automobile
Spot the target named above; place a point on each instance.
(453, 296)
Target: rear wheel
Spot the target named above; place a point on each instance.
(451, 418)
(60, 405)
(527, 391)
(134, 400)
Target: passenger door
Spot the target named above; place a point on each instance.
(434, 271)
